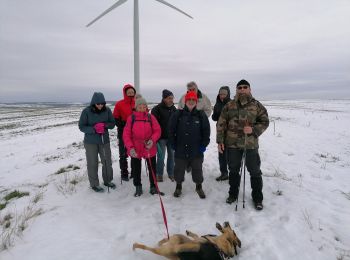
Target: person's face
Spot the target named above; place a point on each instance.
(169, 101)
(192, 87)
(130, 92)
(222, 96)
(243, 89)
(99, 106)
(141, 108)
(191, 103)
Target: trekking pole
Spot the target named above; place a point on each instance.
(244, 162)
(104, 156)
(240, 175)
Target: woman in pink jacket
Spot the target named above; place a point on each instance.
(140, 136)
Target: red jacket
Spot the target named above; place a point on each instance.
(123, 108)
(136, 134)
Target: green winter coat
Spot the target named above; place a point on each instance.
(235, 116)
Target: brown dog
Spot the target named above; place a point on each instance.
(192, 246)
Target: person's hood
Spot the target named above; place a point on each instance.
(97, 98)
(127, 86)
(228, 98)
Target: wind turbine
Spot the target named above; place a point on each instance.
(136, 33)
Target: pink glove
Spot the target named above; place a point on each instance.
(149, 144)
(100, 128)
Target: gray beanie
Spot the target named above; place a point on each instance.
(140, 101)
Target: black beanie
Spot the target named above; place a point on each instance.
(243, 82)
(167, 93)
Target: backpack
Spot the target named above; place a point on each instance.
(133, 119)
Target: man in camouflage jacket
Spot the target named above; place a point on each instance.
(241, 122)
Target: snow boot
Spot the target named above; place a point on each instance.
(178, 190)
(200, 191)
(230, 199)
(258, 205)
(153, 190)
(110, 185)
(98, 189)
(222, 177)
(138, 191)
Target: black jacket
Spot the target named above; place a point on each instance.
(163, 113)
(188, 131)
(219, 105)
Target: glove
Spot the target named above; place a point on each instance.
(202, 149)
(133, 153)
(100, 128)
(149, 144)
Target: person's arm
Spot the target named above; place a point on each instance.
(216, 113)
(110, 124)
(83, 124)
(262, 121)
(205, 130)
(172, 126)
(127, 134)
(221, 127)
(207, 105)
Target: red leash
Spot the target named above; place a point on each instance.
(160, 197)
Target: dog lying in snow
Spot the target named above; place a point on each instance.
(194, 247)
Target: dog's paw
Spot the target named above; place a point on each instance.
(134, 246)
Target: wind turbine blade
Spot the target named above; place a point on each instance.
(177, 9)
(120, 2)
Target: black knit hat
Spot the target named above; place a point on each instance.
(167, 93)
(243, 82)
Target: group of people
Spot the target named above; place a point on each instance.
(182, 133)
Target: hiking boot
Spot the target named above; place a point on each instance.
(159, 178)
(200, 191)
(172, 178)
(98, 189)
(138, 191)
(124, 177)
(258, 205)
(230, 199)
(222, 177)
(110, 185)
(178, 190)
(153, 190)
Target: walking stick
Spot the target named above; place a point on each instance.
(104, 156)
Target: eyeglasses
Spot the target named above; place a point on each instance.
(99, 104)
(242, 87)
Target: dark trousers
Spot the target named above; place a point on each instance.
(223, 163)
(234, 157)
(195, 164)
(136, 170)
(123, 161)
(92, 151)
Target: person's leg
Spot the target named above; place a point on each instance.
(179, 174)
(160, 158)
(151, 167)
(136, 171)
(223, 166)
(106, 160)
(91, 152)
(197, 175)
(234, 158)
(123, 162)
(170, 161)
(253, 165)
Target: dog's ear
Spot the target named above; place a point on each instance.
(227, 224)
(219, 227)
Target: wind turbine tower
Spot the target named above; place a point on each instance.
(136, 33)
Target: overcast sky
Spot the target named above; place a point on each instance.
(285, 49)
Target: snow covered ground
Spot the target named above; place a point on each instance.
(305, 163)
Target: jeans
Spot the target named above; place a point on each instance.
(163, 144)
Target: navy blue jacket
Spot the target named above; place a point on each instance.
(188, 131)
(90, 116)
